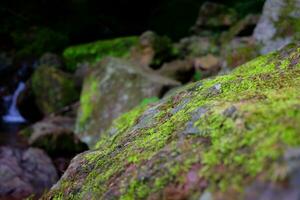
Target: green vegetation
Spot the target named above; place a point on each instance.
(94, 52)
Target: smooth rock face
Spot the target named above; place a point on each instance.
(53, 89)
(232, 137)
(114, 87)
(278, 25)
(25, 172)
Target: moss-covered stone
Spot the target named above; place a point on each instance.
(94, 52)
(53, 89)
(229, 137)
(115, 86)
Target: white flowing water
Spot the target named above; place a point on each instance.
(13, 115)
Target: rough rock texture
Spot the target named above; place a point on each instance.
(278, 25)
(151, 50)
(232, 137)
(114, 87)
(25, 172)
(53, 89)
(93, 52)
(55, 135)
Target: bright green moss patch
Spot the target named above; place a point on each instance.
(221, 134)
(94, 52)
(86, 101)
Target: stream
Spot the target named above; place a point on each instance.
(11, 121)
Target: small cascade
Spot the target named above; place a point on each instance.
(13, 115)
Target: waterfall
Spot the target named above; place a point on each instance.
(13, 115)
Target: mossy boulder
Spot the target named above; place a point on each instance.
(113, 87)
(232, 137)
(53, 89)
(279, 24)
(93, 52)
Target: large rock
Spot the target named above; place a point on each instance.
(114, 87)
(92, 53)
(53, 89)
(278, 25)
(232, 137)
(24, 173)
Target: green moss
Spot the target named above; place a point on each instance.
(53, 89)
(87, 97)
(149, 100)
(231, 150)
(94, 52)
